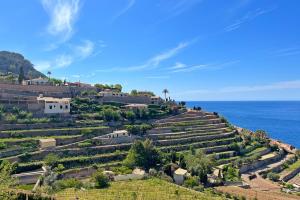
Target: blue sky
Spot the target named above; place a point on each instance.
(198, 49)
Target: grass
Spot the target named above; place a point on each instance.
(56, 129)
(292, 167)
(138, 189)
(257, 150)
(37, 138)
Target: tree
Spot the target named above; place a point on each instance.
(199, 165)
(49, 74)
(165, 91)
(143, 154)
(21, 75)
(134, 92)
(101, 180)
(130, 115)
(51, 160)
(118, 87)
(6, 180)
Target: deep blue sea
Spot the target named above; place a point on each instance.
(280, 119)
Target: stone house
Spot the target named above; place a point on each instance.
(179, 176)
(55, 105)
(47, 143)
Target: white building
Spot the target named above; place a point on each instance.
(111, 93)
(117, 134)
(179, 176)
(47, 143)
(36, 81)
(156, 100)
(55, 105)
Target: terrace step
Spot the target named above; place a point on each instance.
(193, 127)
(204, 121)
(184, 133)
(194, 139)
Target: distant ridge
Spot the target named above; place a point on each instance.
(10, 63)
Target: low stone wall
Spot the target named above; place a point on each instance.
(51, 132)
(34, 126)
(84, 172)
(261, 163)
(290, 175)
(127, 99)
(125, 177)
(194, 139)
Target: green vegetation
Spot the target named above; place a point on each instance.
(6, 181)
(198, 164)
(137, 189)
(273, 176)
(143, 154)
(101, 180)
(230, 173)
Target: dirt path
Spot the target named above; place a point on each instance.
(260, 188)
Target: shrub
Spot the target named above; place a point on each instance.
(51, 160)
(199, 188)
(191, 182)
(67, 183)
(101, 181)
(142, 154)
(273, 177)
(122, 170)
(2, 145)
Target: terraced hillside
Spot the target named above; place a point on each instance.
(79, 148)
(199, 129)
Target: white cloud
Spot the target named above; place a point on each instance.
(85, 49)
(178, 65)
(42, 65)
(63, 60)
(247, 18)
(287, 51)
(154, 61)
(184, 68)
(63, 14)
(158, 77)
(129, 4)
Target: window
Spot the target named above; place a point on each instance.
(50, 107)
(61, 107)
(67, 107)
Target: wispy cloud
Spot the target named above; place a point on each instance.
(286, 51)
(85, 49)
(63, 14)
(158, 77)
(175, 8)
(76, 52)
(61, 61)
(154, 61)
(180, 67)
(128, 5)
(247, 18)
(294, 84)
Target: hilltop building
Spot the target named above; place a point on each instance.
(37, 81)
(55, 105)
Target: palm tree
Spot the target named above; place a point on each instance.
(165, 91)
(49, 74)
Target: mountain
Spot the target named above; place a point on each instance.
(10, 63)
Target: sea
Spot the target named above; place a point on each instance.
(280, 119)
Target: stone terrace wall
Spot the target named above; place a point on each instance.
(46, 90)
(128, 99)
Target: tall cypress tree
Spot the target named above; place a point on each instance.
(21, 75)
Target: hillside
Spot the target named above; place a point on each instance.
(11, 62)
